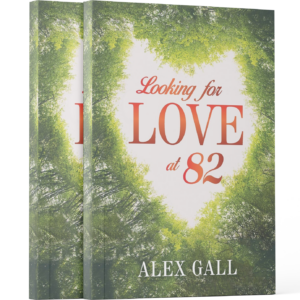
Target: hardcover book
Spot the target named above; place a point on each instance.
(56, 150)
(178, 151)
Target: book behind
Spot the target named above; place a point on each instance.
(56, 150)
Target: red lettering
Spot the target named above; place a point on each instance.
(225, 124)
(80, 123)
(136, 138)
(149, 82)
(162, 123)
(201, 137)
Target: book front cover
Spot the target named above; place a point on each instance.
(179, 151)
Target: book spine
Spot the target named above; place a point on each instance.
(94, 245)
(33, 151)
(56, 169)
(87, 150)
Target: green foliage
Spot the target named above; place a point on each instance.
(125, 222)
(56, 175)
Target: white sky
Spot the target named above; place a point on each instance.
(182, 198)
(74, 95)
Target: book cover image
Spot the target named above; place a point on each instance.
(56, 150)
(179, 173)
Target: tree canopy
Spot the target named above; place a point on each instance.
(56, 174)
(126, 222)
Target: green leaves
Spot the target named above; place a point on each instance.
(56, 173)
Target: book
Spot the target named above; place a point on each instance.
(179, 196)
(56, 150)
(178, 151)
